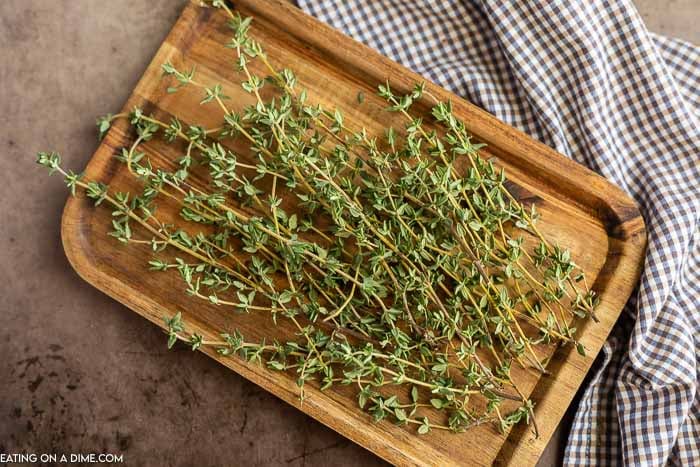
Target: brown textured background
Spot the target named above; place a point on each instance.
(78, 371)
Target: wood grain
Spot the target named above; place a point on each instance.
(596, 220)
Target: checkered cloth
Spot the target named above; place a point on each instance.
(588, 79)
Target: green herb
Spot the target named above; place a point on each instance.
(398, 269)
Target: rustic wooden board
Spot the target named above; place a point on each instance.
(600, 224)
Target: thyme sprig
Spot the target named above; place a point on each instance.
(404, 263)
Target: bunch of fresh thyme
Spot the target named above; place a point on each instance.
(396, 268)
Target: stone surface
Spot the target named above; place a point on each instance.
(78, 371)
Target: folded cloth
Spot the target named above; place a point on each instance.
(589, 80)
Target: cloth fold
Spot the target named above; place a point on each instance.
(589, 80)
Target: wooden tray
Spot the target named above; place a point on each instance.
(600, 224)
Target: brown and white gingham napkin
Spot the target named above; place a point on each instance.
(588, 79)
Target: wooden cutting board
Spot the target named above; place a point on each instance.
(600, 224)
